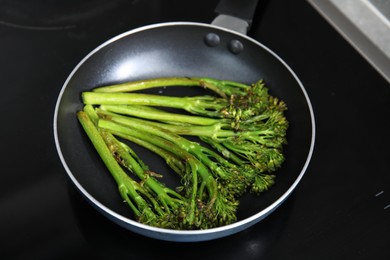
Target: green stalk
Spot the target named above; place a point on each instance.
(223, 150)
(167, 197)
(91, 113)
(101, 147)
(171, 159)
(218, 165)
(155, 129)
(202, 105)
(129, 189)
(214, 130)
(159, 140)
(260, 134)
(194, 168)
(221, 87)
(150, 83)
(157, 114)
(250, 159)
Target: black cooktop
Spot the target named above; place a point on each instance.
(340, 209)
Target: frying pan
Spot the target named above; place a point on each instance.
(183, 49)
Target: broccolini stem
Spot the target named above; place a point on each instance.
(157, 114)
(223, 88)
(101, 147)
(171, 159)
(199, 151)
(129, 189)
(223, 150)
(167, 197)
(150, 83)
(91, 113)
(194, 168)
(218, 131)
(201, 105)
(158, 139)
(219, 166)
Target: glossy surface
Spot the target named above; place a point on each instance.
(338, 211)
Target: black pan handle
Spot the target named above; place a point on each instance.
(235, 14)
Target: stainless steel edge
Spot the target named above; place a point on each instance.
(363, 25)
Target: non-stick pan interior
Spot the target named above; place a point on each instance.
(179, 49)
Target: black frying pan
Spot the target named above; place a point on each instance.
(182, 49)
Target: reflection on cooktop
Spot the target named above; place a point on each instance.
(52, 15)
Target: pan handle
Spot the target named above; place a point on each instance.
(236, 15)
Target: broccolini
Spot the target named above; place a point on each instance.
(241, 131)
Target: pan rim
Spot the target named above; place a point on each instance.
(184, 235)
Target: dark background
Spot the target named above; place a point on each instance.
(340, 209)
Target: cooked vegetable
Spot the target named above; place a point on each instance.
(223, 88)
(242, 105)
(151, 202)
(241, 134)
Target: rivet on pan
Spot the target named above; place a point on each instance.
(212, 39)
(235, 46)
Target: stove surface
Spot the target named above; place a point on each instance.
(340, 209)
